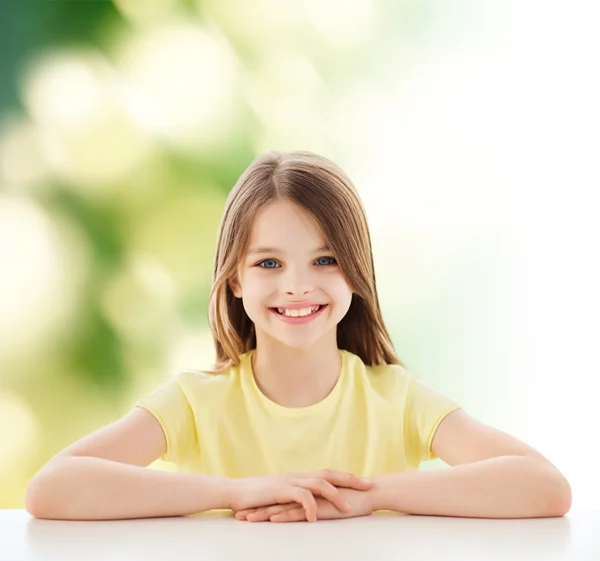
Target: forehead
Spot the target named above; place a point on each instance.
(283, 222)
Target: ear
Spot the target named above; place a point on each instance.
(235, 287)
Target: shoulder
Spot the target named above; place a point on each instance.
(390, 380)
(394, 374)
(395, 379)
(192, 380)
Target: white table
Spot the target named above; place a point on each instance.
(385, 535)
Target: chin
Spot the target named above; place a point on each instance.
(303, 345)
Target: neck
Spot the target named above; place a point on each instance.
(296, 377)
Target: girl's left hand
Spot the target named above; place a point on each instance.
(360, 501)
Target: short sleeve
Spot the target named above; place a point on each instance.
(172, 410)
(424, 410)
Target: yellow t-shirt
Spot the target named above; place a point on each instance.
(377, 419)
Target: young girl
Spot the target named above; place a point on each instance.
(307, 394)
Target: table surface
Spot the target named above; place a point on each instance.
(217, 535)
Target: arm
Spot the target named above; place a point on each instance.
(104, 476)
(88, 488)
(502, 487)
(493, 475)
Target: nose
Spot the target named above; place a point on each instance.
(297, 283)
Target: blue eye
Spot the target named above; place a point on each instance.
(266, 261)
(273, 261)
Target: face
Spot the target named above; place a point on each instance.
(295, 269)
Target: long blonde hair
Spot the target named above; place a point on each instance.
(319, 186)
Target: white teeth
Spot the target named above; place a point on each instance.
(298, 313)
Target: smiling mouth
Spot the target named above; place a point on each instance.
(316, 311)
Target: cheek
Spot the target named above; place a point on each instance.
(339, 287)
(256, 293)
(251, 307)
(341, 293)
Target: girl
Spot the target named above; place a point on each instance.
(307, 393)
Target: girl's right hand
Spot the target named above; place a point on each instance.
(268, 490)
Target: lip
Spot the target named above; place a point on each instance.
(298, 320)
(299, 305)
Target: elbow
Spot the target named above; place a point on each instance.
(38, 507)
(562, 497)
(32, 499)
(555, 494)
(43, 496)
(37, 499)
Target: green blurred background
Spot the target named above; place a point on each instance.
(123, 125)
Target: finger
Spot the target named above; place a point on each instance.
(294, 515)
(327, 491)
(307, 500)
(260, 516)
(246, 511)
(275, 509)
(345, 479)
(240, 516)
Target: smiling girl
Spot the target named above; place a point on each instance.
(306, 396)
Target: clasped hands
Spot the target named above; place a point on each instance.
(293, 497)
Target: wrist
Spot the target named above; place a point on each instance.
(380, 491)
(215, 492)
(228, 490)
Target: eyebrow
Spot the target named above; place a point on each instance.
(257, 250)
